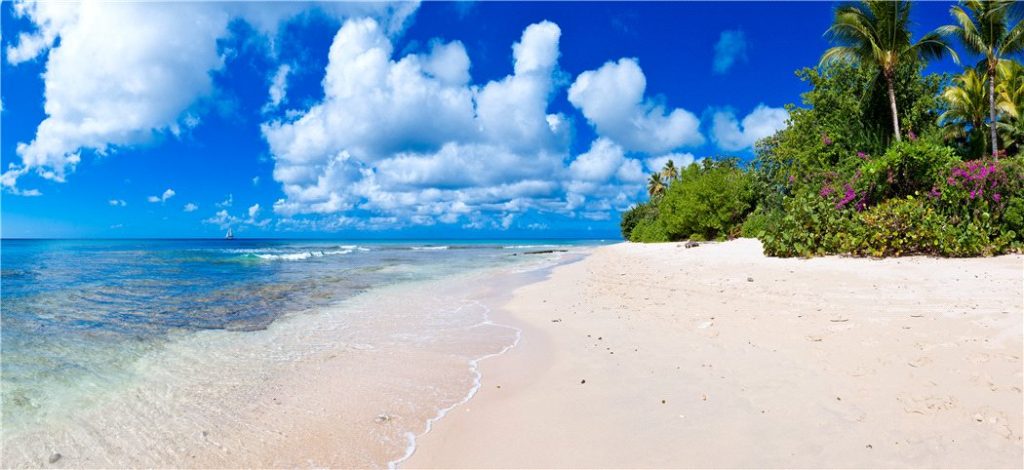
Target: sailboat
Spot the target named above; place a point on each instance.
(230, 235)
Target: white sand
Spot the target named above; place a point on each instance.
(829, 362)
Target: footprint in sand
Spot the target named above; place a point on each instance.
(927, 405)
(920, 362)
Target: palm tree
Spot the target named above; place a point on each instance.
(1010, 102)
(967, 100)
(876, 33)
(655, 186)
(670, 172)
(983, 26)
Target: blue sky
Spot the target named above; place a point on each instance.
(447, 120)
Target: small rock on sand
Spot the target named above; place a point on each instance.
(54, 457)
(691, 244)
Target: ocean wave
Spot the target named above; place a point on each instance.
(430, 247)
(300, 255)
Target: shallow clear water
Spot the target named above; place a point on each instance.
(78, 315)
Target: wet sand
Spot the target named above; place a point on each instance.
(345, 386)
(716, 356)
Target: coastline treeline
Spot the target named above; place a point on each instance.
(881, 159)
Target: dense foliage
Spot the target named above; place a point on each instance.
(838, 180)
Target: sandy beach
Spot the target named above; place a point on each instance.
(716, 356)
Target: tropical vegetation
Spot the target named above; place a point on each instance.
(881, 159)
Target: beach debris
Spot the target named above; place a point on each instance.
(663, 402)
(814, 338)
(54, 457)
(556, 320)
(691, 244)
(750, 279)
(839, 320)
(916, 316)
(382, 418)
(583, 381)
(704, 397)
(869, 446)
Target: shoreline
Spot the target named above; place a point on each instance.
(717, 357)
(276, 397)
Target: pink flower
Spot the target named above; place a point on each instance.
(996, 197)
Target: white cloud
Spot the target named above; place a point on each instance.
(254, 211)
(604, 160)
(762, 122)
(421, 142)
(117, 202)
(222, 219)
(169, 193)
(612, 99)
(115, 79)
(278, 86)
(191, 207)
(227, 202)
(730, 49)
(116, 74)
(255, 180)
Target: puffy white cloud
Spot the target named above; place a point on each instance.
(680, 160)
(169, 193)
(191, 207)
(117, 202)
(730, 49)
(116, 75)
(412, 137)
(605, 160)
(254, 211)
(762, 122)
(612, 99)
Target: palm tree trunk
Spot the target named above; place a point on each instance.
(992, 109)
(892, 107)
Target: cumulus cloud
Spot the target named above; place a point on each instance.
(254, 211)
(117, 202)
(169, 193)
(191, 207)
(762, 122)
(115, 79)
(602, 162)
(612, 99)
(116, 76)
(420, 143)
(680, 160)
(730, 49)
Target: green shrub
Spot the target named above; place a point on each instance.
(635, 214)
(898, 227)
(759, 222)
(709, 201)
(810, 226)
(907, 168)
(649, 231)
